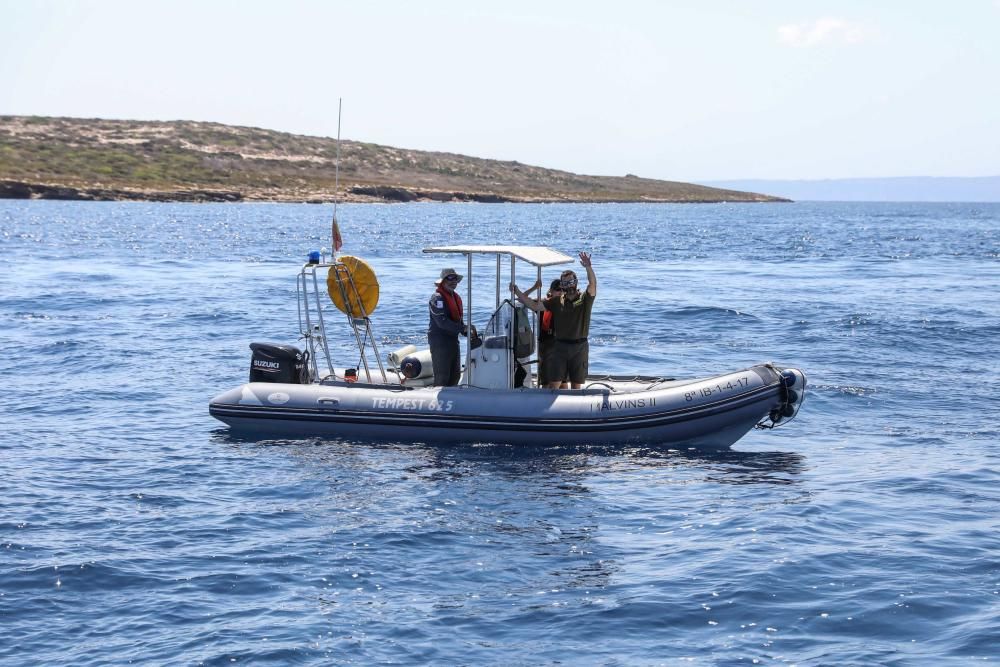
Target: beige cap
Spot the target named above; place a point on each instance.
(448, 272)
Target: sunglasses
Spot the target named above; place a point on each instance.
(452, 277)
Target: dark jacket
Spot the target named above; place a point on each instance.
(441, 323)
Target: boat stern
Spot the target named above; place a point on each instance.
(222, 406)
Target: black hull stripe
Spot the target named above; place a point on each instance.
(496, 423)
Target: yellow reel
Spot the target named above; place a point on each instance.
(353, 286)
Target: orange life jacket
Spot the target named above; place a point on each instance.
(454, 302)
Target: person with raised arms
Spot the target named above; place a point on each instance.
(571, 309)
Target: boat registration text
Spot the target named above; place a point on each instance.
(710, 390)
(387, 403)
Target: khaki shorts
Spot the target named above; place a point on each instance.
(545, 347)
(569, 360)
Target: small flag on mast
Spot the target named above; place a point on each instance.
(338, 242)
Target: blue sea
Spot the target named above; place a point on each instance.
(134, 529)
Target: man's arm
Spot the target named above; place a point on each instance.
(525, 299)
(591, 276)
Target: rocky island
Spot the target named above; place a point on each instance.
(96, 159)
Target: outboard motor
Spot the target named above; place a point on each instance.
(278, 363)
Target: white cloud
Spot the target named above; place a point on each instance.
(826, 30)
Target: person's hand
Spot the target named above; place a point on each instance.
(585, 259)
(537, 285)
(513, 288)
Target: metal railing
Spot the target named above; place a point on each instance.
(312, 325)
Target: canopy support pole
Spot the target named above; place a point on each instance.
(468, 324)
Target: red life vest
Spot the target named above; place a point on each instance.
(454, 302)
(547, 321)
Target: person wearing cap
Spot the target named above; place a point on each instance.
(570, 308)
(446, 324)
(546, 333)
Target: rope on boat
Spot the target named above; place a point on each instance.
(658, 381)
(601, 384)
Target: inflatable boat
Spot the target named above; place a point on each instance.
(497, 400)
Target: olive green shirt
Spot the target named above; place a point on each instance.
(570, 319)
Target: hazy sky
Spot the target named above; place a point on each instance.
(674, 89)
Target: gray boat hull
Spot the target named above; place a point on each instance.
(710, 413)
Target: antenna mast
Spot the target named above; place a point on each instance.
(336, 240)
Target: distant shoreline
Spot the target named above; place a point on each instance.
(970, 189)
(121, 160)
(355, 195)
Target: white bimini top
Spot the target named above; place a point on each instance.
(534, 255)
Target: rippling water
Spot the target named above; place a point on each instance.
(134, 527)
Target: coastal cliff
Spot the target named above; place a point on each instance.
(96, 159)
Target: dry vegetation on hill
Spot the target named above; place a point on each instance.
(73, 158)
